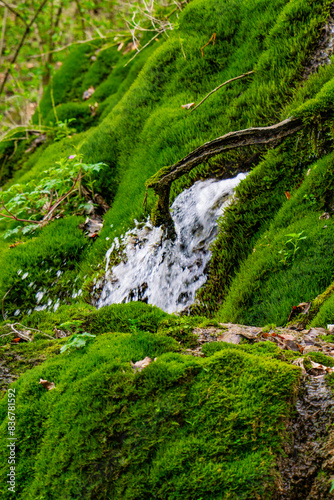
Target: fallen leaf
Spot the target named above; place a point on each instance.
(140, 365)
(320, 368)
(288, 195)
(93, 108)
(48, 385)
(188, 106)
(88, 93)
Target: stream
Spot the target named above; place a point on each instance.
(157, 270)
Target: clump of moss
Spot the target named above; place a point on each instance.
(321, 358)
(220, 420)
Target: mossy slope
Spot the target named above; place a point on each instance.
(182, 428)
(143, 127)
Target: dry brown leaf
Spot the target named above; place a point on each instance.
(188, 106)
(88, 93)
(140, 365)
(48, 385)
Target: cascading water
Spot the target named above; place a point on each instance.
(162, 272)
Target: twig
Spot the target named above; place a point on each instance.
(13, 217)
(26, 31)
(3, 303)
(66, 47)
(9, 7)
(22, 335)
(46, 218)
(35, 330)
(222, 85)
(4, 22)
(212, 39)
(6, 335)
(148, 43)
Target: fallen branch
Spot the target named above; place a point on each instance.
(22, 335)
(161, 182)
(222, 85)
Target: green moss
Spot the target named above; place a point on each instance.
(219, 420)
(125, 318)
(44, 265)
(265, 289)
(319, 357)
(144, 127)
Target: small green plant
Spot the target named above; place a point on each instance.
(60, 190)
(62, 129)
(291, 247)
(267, 328)
(74, 324)
(310, 199)
(77, 341)
(133, 324)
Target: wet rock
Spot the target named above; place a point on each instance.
(305, 454)
(325, 47)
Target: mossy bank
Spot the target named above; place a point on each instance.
(184, 427)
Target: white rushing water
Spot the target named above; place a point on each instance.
(162, 272)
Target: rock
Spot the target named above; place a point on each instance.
(230, 338)
(310, 348)
(317, 331)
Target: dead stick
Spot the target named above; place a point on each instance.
(222, 85)
(148, 43)
(35, 329)
(3, 303)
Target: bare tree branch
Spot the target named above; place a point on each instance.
(220, 86)
(2, 41)
(20, 45)
(9, 7)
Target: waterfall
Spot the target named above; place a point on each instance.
(162, 272)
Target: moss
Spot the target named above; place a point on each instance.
(24, 356)
(144, 127)
(180, 329)
(39, 268)
(116, 317)
(219, 419)
(265, 289)
(319, 357)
